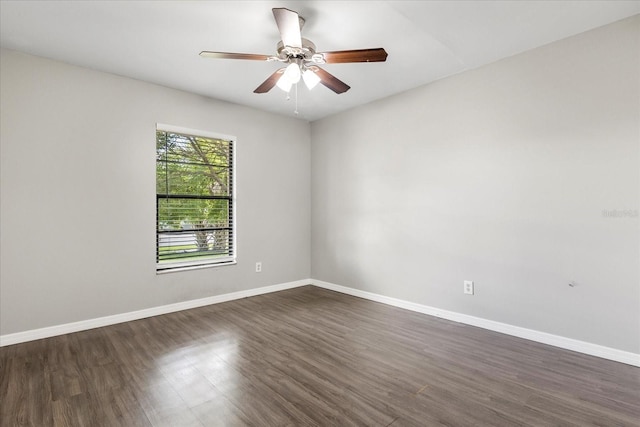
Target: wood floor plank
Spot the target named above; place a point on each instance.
(308, 357)
(220, 412)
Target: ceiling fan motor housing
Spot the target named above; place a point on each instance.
(307, 52)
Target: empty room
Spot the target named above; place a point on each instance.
(319, 213)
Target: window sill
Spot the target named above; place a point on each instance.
(195, 267)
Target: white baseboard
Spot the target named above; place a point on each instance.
(84, 325)
(530, 334)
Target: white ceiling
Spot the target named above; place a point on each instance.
(159, 41)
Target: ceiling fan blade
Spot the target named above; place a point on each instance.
(330, 81)
(271, 81)
(229, 55)
(359, 55)
(288, 23)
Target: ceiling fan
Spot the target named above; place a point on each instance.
(301, 56)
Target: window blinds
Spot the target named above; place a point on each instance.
(194, 200)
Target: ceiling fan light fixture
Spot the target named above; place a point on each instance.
(310, 78)
(284, 83)
(290, 77)
(293, 73)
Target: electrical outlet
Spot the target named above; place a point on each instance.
(258, 267)
(468, 287)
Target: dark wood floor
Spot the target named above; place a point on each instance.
(307, 357)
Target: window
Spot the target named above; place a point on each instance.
(194, 198)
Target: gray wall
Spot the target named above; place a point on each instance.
(499, 175)
(78, 174)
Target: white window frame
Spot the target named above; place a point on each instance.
(230, 260)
